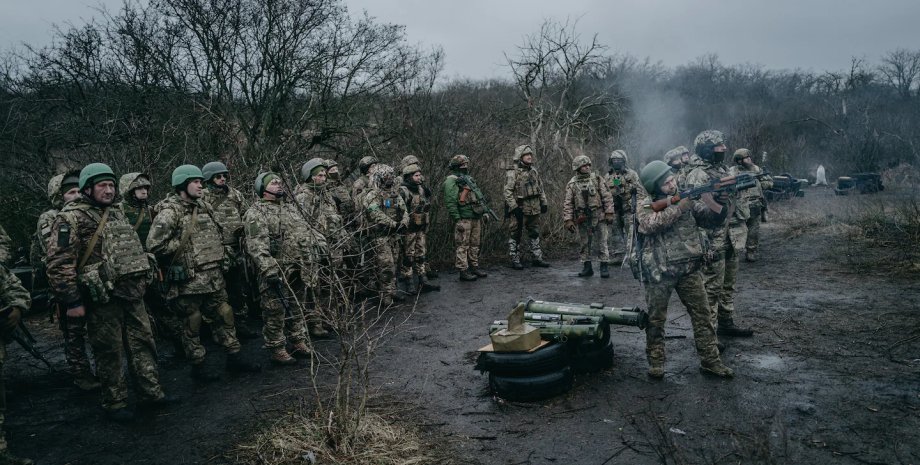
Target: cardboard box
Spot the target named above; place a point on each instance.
(526, 339)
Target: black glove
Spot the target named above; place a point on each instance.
(517, 211)
(543, 208)
(12, 320)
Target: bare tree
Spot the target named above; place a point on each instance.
(901, 69)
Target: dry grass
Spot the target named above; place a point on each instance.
(295, 439)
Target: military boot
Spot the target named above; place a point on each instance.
(605, 270)
(236, 364)
(201, 372)
(157, 404)
(243, 332)
(301, 350)
(397, 296)
(9, 459)
(587, 271)
(656, 371)
(467, 275)
(428, 287)
(409, 285)
(717, 369)
(280, 356)
(537, 253)
(727, 328)
(317, 331)
(479, 273)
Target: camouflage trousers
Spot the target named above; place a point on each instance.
(467, 238)
(238, 291)
(74, 331)
(118, 330)
(413, 257)
(753, 228)
(531, 224)
(166, 324)
(618, 233)
(692, 294)
(720, 276)
(280, 325)
(3, 445)
(214, 306)
(592, 237)
(386, 249)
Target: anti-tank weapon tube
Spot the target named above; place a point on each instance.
(625, 316)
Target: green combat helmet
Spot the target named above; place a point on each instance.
(94, 173)
(740, 155)
(520, 151)
(705, 143)
(210, 169)
(306, 171)
(184, 174)
(131, 181)
(580, 161)
(365, 163)
(262, 180)
(653, 173)
(457, 161)
(411, 169)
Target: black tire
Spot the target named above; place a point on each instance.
(530, 388)
(551, 358)
(591, 359)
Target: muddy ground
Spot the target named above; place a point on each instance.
(830, 377)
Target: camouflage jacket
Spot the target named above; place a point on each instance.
(523, 188)
(586, 196)
(196, 247)
(343, 200)
(621, 185)
(280, 243)
(6, 248)
(319, 208)
(384, 212)
(140, 216)
(418, 205)
(71, 232)
(695, 161)
(38, 250)
(12, 293)
(360, 185)
(753, 197)
(672, 243)
(228, 207)
(700, 174)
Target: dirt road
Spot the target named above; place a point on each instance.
(830, 377)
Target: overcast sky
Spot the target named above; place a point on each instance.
(779, 34)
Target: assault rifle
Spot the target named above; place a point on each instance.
(23, 337)
(465, 186)
(734, 183)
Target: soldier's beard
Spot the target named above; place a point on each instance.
(223, 187)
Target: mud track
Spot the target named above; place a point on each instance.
(830, 377)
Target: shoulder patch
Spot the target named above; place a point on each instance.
(63, 239)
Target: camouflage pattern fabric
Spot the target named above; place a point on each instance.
(281, 327)
(621, 186)
(587, 200)
(193, 308)
(109, 324)
(359, 187)
(228, 206)
(318, 206)
(467, 238)
(39, 247)
(691, 293)
(714, 280)
(384, 214)
(414, 252)
(6, 248)
(524, 188)
(531, 225)
(343, 201)
(414, 243)
(755, 201)
(12, 294)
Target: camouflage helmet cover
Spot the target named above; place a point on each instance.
(93, 173)
(741, 154)
(653, 173)
(382, 174)
(185, 173)
(673, 155)
(131, 181)
(457, 161)
(580, 161)
(618, 154)
(409, 160)
(706, 141)
(409, 170)
(213, 168)
(520, 151)
(306, 171)
(365, 163)
(330, 163)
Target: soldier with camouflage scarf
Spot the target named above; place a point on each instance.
(385, 219)
(621, 181)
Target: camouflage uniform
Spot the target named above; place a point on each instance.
(138, 213)
(525, 200)
(111, 287)
(319, 207)
(228, 206)
(286, 254)
(344, 202)
(384, 218)
(587, 203)
(186, 239)
(6, 248)
(671, 252)
(621, 183)
(466, 213)
(12, 294)
(73, 329)
(418, 203)
(755, 201)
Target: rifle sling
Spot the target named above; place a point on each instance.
(140, 219)
(93, 240)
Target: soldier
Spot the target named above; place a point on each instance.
(621, 181)
(363, 182)
(525, 201)
(343, 200)
(186, 239)
(63, 189)
(228, 205)
(98, 270)
(384, 219)
(709, 145)
(674, 159)
(754, 199)
(670, 257)
(282, 248)
(6, 248)
(14, 300)
(587, 203)
(135, 191)
(463, 201)
(413, 160)
(418, 206)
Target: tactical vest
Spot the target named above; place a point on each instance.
(139, 218)
(527, 184)
(226, 211)
(121, 252)
(419, 205)
(673, 252)
(586, 192)
(205, 248)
